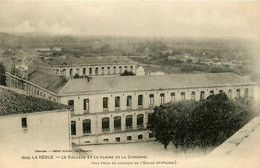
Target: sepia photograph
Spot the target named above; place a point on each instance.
(129, 84)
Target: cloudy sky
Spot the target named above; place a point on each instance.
(203, 19)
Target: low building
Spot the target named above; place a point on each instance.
(117, 109)
(93, 66)
(140, 71)
(28, 123)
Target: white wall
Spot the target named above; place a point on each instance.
(45, 130)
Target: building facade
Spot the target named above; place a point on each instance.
(117, 109)
(93, 66)
(28, 123)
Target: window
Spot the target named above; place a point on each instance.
(108, 70)
(131, 68)
(230, 93)
(220, 91)
(129, 101)
(24, 122)
(84, 71)
(114, 70)
(71, 103)
(151, 99)
(96, 70)
(77, 71)
(192, 95)
(246, 92)
(202, 95)
(140, 136)
(86, 126)
(161, 98)
(102, 70)
(117, 123)
(140, 120)
(140, 100)
(117, 139)
(117, 101)
(211, 92)
(73, 127)
(173, 97)
(105, 102)
(182, 95)
(151, 135)
(105, 140)
(129, 121)
(105, 124)
(120, 69)
(238, 93)
(86, 104)
(129, 138)
(90, 71)
(71, 72)
(149, 120)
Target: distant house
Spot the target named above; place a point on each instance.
(43, 49)
(156, 73)
(57, 49)
(29, 123)
(140, 71)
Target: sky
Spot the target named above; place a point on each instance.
(137, 18)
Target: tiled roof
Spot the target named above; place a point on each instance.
(112, 60)
(47, 80)
(12, 102)
(138, 83)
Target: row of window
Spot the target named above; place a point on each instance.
(96, 70)
(86, 124)
(129, 138)
(151, 98)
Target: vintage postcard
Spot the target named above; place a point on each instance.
(145, 84)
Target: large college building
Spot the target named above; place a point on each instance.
(116, 109)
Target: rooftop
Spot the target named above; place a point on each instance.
(13, 102)
(91, 61)
(47, 80)
(138, 83)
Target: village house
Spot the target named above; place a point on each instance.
(117, 109)
(29, 123)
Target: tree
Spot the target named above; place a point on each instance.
(170, 122)
(127, 73)
(205, 123)
(2, 75)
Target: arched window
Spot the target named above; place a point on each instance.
(102, 70)
(238, 93)
(120, 69)
(140, 120)
(117, 101)
(202, 95)
(129, 101)
(108, 70)
(96, 70)
(90, 71)
(211, 92)
(140, 100)
(140, 136)
(105, 124)
(73, 127)
(86, 124)
(84, 71)
(173, 97)
(71, 72)
(246, 92)
(162, 98)
(114, 70)
(117, 123)
(105, 102)
(86, 104)
(182, 95)
(129, 122)
(151, 99)
(193, 95)
(230, 93)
